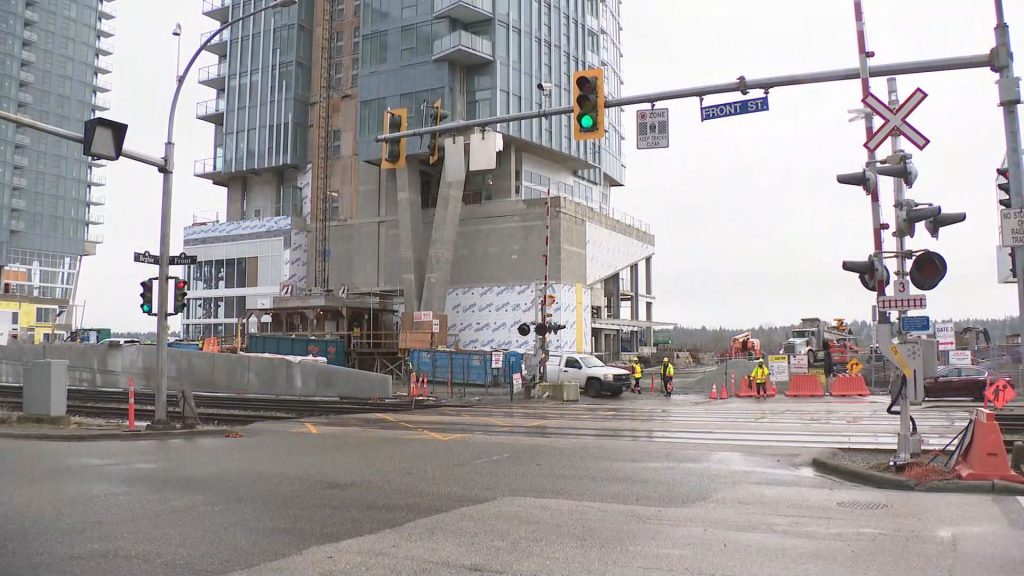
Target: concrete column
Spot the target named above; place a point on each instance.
(446, 226)
(634, 286)
(410, 229)
(649, 269)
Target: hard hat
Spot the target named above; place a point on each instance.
(636, 359)
(664, 359)
(760, 360)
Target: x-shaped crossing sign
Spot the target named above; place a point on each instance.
(896, 120)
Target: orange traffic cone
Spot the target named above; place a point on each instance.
(714, 392)
(423, 386)
(725, 392)
(772, 391)
(412, 385)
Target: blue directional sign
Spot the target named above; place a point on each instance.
(733, 108)
(915, 324)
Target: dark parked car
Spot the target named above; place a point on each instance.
(961, 382)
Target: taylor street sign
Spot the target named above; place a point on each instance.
(179, 260)
(734, 108)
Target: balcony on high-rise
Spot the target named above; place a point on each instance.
(211, 111)
(465, 48)
(25, 77)
(94, 218)
(95, 179)
(95, 199)
(104, 48)
(31, 17)
(101, 85)
(104, 65)
(24, 98)
(22, 140)
(20, 161)
(217, 9)
(466, 11)
(29, 37)
(213, 76)
(100, 103)
(106, 29)
(218, 45)
(27, 57)
(107, 12)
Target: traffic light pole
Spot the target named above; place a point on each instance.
(1009, 99)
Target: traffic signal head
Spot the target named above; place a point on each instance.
(899, 166)
(555, 327)
(1004, 186)
(866, 179)
(540, 329)
(942, 220)
(869, 271)
(180, 293)
(909, 215)
(523, 329)
(393, 154)
(437, 115)
(928, 269)
(588, 104)
(147, 297)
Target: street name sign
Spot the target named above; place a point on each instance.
(737, 108)
(895, 121)
(918, 324)
(652, 128)
(902, 303)
(146, 258)
(179, 260)
(1011, 226)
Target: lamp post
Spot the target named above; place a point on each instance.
(160, 419)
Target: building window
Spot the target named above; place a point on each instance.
(338, 45)
(339, 9)
(376, 49)
(45, 315)
(334, 145)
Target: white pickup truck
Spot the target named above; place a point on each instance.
(592, 376)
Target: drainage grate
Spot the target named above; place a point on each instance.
(862, 505)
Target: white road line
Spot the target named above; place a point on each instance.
(1021, 500)
(491, 459)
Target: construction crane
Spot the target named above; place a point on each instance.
(320, 200)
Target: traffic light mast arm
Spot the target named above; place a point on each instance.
(895, 69)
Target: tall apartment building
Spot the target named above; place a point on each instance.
(481, 58)
(54, 56)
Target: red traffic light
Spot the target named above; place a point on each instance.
(928, 269)
(180, 284)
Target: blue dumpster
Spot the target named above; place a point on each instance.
(465, 367)
(333, 349)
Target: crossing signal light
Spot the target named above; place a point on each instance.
(928, 269)
(899, 166)
(540, 329)
(865, 179)
(588, 104)
(523, 329)
(869, 271)
(1004, 186)
(942, 220)
(437, 115)
(555, 327)
(393, 154)
(908, 216)
(180, 293)
(147, 297)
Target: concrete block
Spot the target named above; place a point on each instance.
(565, 392)
(45, 391)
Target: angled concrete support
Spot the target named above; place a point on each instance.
(446, 225)
(410, 229)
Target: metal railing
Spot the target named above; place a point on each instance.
(103, 85)
(95, 199)
(208, 107)
(222, 37)
(534, 192)
(22, 140)
(105, 48)
(212, 71)
(18, 203)
(19, 182)
(97, 180)
(210, 5)
(482, 5)
(17, 224)
(27, 56)
(105, 7)
(20, 160)
(31, 16)
(104, 65)
(208, 165)
(94, 218)
(26, 76)
(24, 97)
(29, 36)
(94, 237)
(107, 28)
(101, 103)
(464, 39)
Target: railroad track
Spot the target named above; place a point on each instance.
(1012, 426)
(213, 408)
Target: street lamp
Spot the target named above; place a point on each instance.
(160, 419)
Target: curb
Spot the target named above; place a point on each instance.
(118, 435)
(889, 482)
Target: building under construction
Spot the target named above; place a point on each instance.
(317, 238)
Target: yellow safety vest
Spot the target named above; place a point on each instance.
(668, 370)
(760, 374)
(638, 370)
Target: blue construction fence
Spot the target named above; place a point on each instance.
(465, 367)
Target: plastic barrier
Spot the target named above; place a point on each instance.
(748, 390)
(982, 454)
(804, 386)
(849, 385)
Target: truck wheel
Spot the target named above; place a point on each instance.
(593, 388)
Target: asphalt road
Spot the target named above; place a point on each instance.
(421, 496)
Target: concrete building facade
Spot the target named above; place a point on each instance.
(54, 57)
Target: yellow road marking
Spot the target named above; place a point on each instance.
(312, 429)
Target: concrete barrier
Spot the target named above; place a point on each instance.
(103, 366)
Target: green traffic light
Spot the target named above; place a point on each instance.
(147, 308)
(587, 121)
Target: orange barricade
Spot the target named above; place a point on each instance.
(805, 386)
(984, 456)
(849, 385)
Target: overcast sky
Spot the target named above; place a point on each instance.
(751, 226)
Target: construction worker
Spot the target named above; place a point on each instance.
(667, 372)
(638, 373)
(760, 378)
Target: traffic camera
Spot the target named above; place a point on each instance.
(393, 154)
(147, 297)
(437, 115)
(869, 272)
(588, 104)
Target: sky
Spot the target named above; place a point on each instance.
(750, 224)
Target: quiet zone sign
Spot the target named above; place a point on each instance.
(652, 128)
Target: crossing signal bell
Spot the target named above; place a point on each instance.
(180, 293)
(588, 104)
(393, 153)
(147, 297)
(437, 115)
